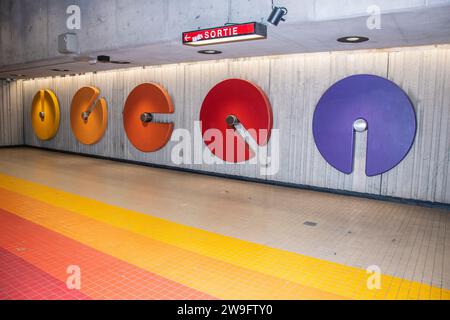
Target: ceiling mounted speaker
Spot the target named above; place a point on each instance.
(233, 107)
(88, 115)
(359, 103)
(45, 114)
(142, 103)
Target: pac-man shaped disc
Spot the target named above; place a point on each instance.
(45, 114)
(144, 101)
(236, 101)
(88, 116)
(358, 103)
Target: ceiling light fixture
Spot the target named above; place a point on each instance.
(107, 59)
(120, 62)
(277, 15)
(209, 51)
(353, 39)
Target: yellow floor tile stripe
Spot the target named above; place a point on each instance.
(311, 272)
(218, 278)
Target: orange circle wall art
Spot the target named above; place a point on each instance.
(88, 115)
(142, 103)
(45, 114)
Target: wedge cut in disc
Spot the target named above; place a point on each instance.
(248, 105)
(88, 115)
(45, 114)
(364, 102)
(147, 98)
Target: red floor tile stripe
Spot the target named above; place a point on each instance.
(20, 280)
(102, 276)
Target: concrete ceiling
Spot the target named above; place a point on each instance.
(313, 29)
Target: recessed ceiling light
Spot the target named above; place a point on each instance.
(353, 39)
(209, 51)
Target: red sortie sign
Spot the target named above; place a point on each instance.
(235, 32)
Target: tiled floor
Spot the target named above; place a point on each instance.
(20, 280)
(104, 277)
(145, 233)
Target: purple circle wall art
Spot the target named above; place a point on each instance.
(380, 106)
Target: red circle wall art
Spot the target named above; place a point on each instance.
(88, 115)
(231, 102)
(144, 101)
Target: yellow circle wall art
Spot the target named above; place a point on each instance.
(88, 115)
(45, 114)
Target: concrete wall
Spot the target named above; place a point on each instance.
(11, 113)
(294, 85)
